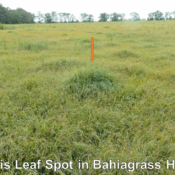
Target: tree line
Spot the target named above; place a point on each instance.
(9, 16)
(18, 16)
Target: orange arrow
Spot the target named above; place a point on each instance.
(92, 49)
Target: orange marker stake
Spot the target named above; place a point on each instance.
(92, 49)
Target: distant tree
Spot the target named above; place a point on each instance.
(84, 17)
(167, 15)
(8, 16)
(60, 16)
(40, 17)
(65, 17)
(54, 16)
(103, 17)
(72, 18)
(135, 16)
(15, 17)
(23, 15)
(159, 15)
(123, 16)
(33, 17)
(48, 18)
(3, 14)
(151, 17)
(115, 16)
(155, 16)
(90, 18)
(173, 13)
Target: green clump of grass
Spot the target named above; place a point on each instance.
(125, 54)
(74, 39)
(86, 40)
(57, 65)
(64, 34)
(132, 70)
(10, 27)
(150, 46)
(85, 83)
(106, 27)
(33, 46)
(4, 43)
(111, 44)
(30, 84)
(110, 37)
(99, 33)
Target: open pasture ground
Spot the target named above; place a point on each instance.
(57, 104)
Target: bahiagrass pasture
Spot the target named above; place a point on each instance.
(56, 104)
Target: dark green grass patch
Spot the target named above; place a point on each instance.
(57, 65)
(110, 37)
(99, 33)
(33, 46)
(86, 40)
(132, 70)
(150, 46)
(125, 54)
(30, 84)
(11, 31)
(90, 82)
(12, 27)
(64, 34)
(112, 44)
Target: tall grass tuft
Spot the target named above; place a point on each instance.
(18, 67)
(125, 54)
(5, 46)
(86, 40)
(19, 44)
(33, 46)
(90, 82)
(14, 41)
(110, 37)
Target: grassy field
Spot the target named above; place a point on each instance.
(57, 104)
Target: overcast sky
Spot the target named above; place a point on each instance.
(94, 7)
